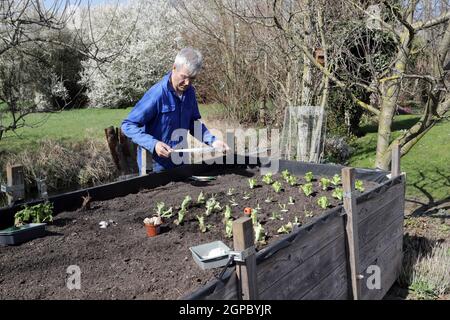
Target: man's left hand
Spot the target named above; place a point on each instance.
(218, 144)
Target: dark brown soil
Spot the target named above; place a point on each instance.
(121, 262)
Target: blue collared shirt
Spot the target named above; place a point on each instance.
(157, 115)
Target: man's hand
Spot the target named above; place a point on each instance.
(218, 144)
(162, 149)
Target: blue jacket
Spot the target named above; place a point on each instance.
(159, 112)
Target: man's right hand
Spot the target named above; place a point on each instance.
(162, 149)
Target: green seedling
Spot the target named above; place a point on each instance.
(161, 212)
(254, 216)
(309, 176)
(338, 193)
(246, 195)
(260, 234)
(229, 228)
(267, 178)
(296, 222)
(323, 202)
(276, 216)
(39, 213)
(307, 189)
(285, 174)
(283, 207)
(201, 198)
(233, 202)
(276, 186)
(201, 222)
(186, 202)
(252, 183)
(230, 192)
(292, 180)
(308, 214)
(291, 201)
(268, 200)
(227, 213)
(181, 215)
(287, 228)
(359, 185)
(212, 206)
(336, 180)
(325, 183)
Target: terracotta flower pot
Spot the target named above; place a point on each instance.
(152, 230)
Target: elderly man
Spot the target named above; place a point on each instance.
(167, 106)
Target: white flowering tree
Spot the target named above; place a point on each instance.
(150, 35)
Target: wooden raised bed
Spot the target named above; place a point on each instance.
(320, 260)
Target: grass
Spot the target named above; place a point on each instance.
(426, 165)
(70, 126)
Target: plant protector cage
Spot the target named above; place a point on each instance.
(303, 134)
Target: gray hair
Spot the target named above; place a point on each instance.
(190, 58)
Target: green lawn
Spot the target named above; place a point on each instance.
(427, 165)
(70, 126)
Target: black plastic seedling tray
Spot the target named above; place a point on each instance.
(18, 235)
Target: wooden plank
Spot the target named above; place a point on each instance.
(307, 243)
(351, 229)
(395, 161)
(389, 262)
(243, 239)
(332, 287)
(376, 246)
(16, 180)
(380, 220)
(299, 281)
(369, 207)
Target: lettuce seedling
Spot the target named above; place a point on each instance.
(181, 215)
(212, 206)
(338, 193)
(307, 189)
(254, 216)
(325, 183)
(268, 200)
(292, 180)
(276, 186)
(285, 174)
(283, 207)
(260, 234)
(201, 222)
(276, 216)
(359, 186)
(230, 192)
(201, 198)
(186, 202)
(267, 178)
(287, 228)
(252, 183)
(229, 228)
(296, 222)
(161, 212)
(233, 202)
(323, 202)
(291, 201)
(246, 195)
(336, 180)
(227, 213)
(309, 176)
(308, 214)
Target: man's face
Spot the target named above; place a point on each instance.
(181, 79)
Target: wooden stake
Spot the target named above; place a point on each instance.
(348, 183)
(15, 180)
(143, 162)
(395, 162)
(243, 238)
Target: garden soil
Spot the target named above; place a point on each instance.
(121, 262)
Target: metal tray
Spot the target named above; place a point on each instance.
(204, 260)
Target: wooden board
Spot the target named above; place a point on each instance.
(305, 245)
